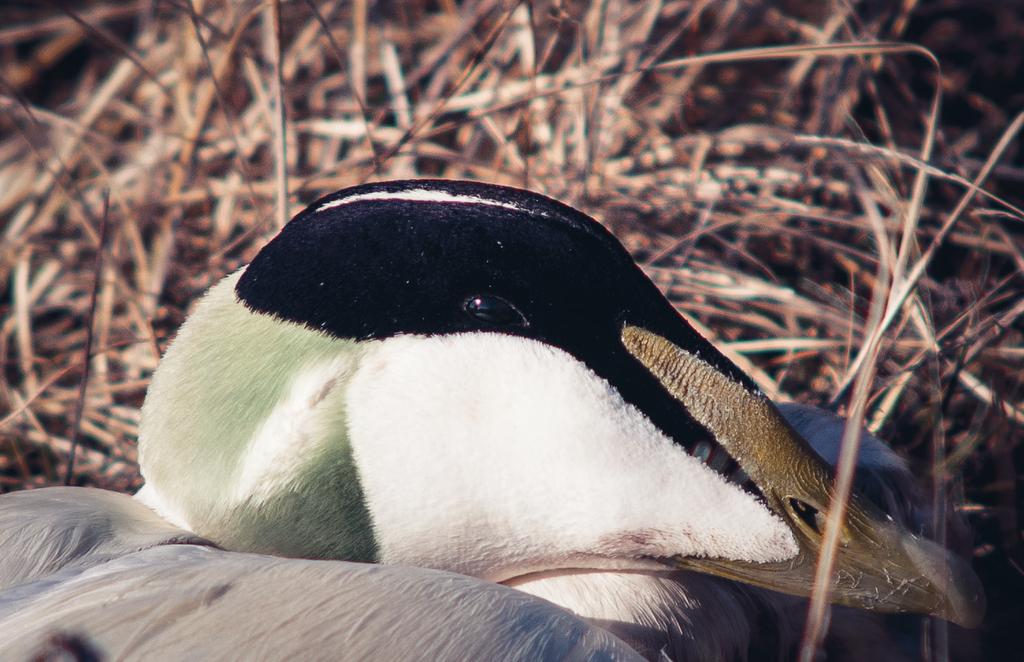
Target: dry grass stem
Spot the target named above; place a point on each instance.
(781, 170)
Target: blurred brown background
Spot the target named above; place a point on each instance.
(149, 148)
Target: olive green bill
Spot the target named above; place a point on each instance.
(880, 566)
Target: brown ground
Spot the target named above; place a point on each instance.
(773, 194)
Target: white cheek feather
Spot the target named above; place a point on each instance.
(419, 195)
(169, 511)
(496, 456)
(288, 437)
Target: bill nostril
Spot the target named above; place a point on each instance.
(808, 514)
(814, 519)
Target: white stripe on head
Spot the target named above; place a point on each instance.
(422, 195)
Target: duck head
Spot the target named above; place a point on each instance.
(480, 379)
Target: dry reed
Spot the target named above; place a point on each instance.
(833, 209)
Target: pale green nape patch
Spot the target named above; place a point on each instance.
(224, 373)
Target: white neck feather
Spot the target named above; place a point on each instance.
(677, 616)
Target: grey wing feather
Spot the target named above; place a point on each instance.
(96, 567)
(45, 530)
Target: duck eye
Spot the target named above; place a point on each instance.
(494, 310)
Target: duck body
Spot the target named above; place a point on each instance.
(106, 571)
(445, 420)
(103, 571)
